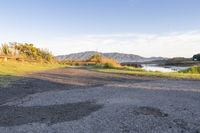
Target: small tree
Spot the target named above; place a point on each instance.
(46, 55)
(27, 51)
(13, 49)
(5, 50)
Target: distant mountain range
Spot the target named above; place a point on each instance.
(120, 57)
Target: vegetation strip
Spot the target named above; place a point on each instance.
(11, 71)
(17, 59)
(177, 75)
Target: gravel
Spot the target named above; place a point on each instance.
(83, 101)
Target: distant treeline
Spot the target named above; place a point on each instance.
(25, 52)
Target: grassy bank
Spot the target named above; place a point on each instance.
(192, 70)
(177, 75)
(12, 70)
(20, 68)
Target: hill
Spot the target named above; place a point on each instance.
(120, 57)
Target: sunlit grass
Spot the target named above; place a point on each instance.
(12, 70)
(19, 68)
(176, 75)
(192, 70)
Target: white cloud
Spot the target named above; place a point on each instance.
(168, 45)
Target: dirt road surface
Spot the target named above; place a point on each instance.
(70, 100)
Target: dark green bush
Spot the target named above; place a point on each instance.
(193, 70)
(196, 57)
(108, 65)
(33, 53)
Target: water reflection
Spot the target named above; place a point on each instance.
(154, 67)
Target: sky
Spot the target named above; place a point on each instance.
(168, 28)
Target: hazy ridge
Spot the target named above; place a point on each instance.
(120, 57)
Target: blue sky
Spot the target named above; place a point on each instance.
(145, 27)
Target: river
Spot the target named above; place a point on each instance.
(154, 67)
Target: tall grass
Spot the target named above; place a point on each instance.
(192, 70)
(103, 62)
(141, 72)
(5, 49)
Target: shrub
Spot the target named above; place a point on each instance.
(33, 53)
(99, 65)
(108, 65)
(106, 62)
(95, 58)
(27, 52)
(196, 57)
(5, 49)
(193, 70)
(46, 55)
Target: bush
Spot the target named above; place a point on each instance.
(5, 49)
(108, 65)
(95, 58)
(99, 65)
(46, 55)
(30, 52)
(77, 64)
(196, 57)
(193, 70)
(106, 62)
(27, 52)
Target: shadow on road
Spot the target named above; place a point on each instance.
(24, 86)
(56, 80)
(13, 115)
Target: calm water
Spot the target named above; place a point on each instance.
(152, 67)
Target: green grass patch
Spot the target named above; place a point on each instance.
(11, 71)
(110, 66)
(176, 75)
(192, 70)
(129, 68)
(20, 68)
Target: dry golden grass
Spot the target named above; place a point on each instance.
(95, 60)
(107, 62)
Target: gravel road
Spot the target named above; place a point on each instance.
(71, 100)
